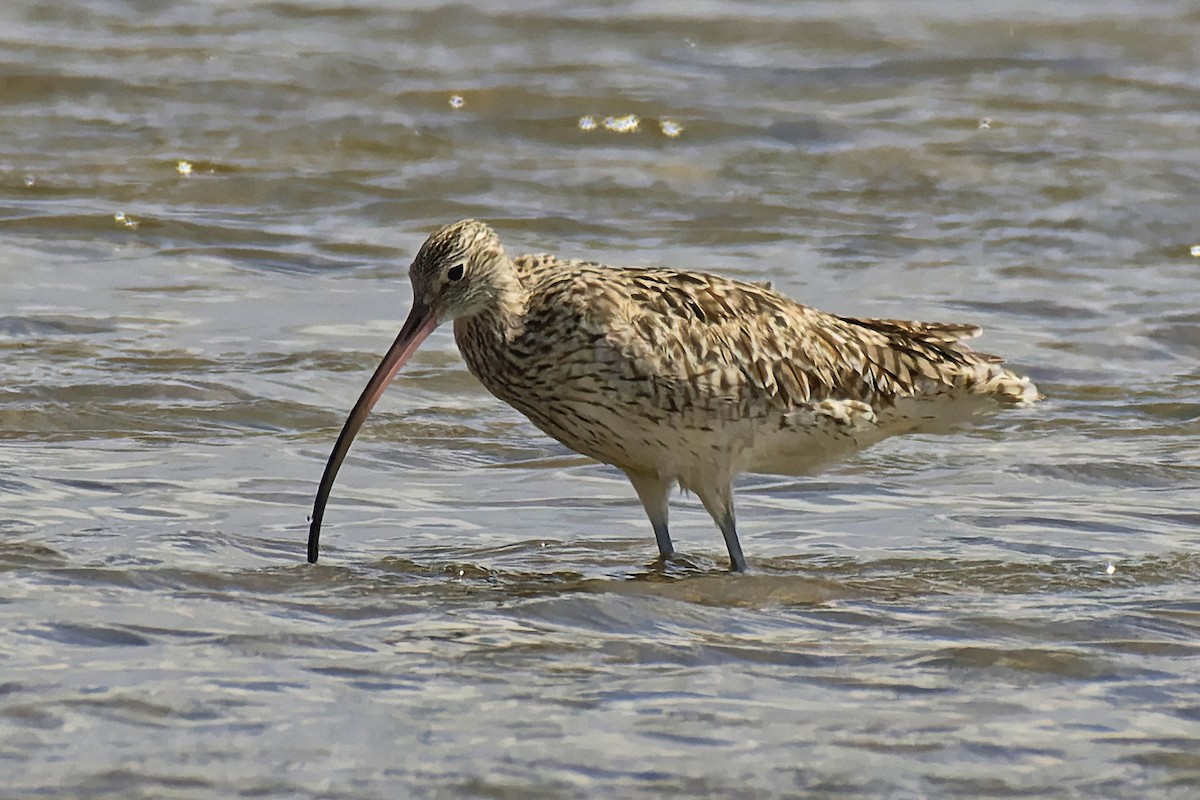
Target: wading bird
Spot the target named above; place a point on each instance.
(676, 376)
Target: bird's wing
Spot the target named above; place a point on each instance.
(711, 340)
(704, 342)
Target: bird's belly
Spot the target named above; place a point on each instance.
(641, 440)
(688, 446)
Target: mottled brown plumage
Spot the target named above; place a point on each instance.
(681, 377)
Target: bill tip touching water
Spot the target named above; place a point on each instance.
(679, 377)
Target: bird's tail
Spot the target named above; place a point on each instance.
(1000, 383)
(937, 352)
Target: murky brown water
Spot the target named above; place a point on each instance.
(936, 617)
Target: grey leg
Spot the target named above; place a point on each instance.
(653, 492)
(737, 561)
(720, 507)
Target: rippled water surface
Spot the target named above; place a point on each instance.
(206, 215)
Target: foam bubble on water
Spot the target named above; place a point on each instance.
(670, 128)
(183, 167)
(626, 124)
(456, 101)
(122, 219)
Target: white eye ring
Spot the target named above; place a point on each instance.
(455, 273)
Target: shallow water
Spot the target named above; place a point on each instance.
(1010, 610)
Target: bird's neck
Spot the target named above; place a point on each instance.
(498, 323)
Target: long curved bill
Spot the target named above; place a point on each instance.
(420, 323)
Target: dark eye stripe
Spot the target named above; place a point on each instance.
(455, 273)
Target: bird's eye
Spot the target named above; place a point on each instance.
(455, 273)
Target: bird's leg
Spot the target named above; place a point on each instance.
(653, 491)
(719, 504)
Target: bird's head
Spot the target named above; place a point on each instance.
(459, 271)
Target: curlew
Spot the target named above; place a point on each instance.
(679, 377)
